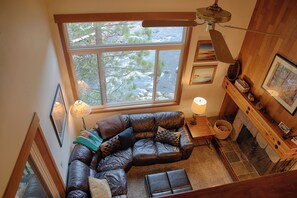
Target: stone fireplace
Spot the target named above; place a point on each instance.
(255, 148)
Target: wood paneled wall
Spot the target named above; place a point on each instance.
(258, 50)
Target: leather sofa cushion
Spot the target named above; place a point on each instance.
(95, 160)
(121, 159)
(116, 180)
(170, 120)
(78, 176)
(142, 135)
(82, 153)
(111, 126)
(142, 122)
(144, 152)
(125, 120)
(77, 194)
(168, 153)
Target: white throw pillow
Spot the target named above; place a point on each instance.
(99, 188)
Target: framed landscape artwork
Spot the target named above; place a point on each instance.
(205, 51)
(281, 83)
(203, 74)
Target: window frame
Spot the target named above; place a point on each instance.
(62, 19)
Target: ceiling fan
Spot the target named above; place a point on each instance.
(210, 15)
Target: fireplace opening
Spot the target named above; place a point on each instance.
(254, 148)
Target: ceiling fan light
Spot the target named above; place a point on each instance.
(213, 15)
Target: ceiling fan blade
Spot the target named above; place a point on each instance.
(222, 51)
(255, 31)
(161, 23)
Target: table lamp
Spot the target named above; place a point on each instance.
(198, 107)
(80, 109)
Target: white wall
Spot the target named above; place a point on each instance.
(214, 93)
(29, 75)
(32, 64)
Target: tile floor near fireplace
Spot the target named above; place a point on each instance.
(238, 165)
(233, 158)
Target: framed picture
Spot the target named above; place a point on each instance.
(284, 128)
(58, 114)
(281, 83)
(203, 74)
(205, 51)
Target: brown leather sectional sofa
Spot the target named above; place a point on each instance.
(84, 163)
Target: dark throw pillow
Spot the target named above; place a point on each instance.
(127, 138)
(168, 137)
(110, 146)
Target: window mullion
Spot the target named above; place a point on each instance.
(155, 75)
(101, 78)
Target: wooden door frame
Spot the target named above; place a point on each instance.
(34, 134)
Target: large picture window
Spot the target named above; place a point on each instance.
(120, 63)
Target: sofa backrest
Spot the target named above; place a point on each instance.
(144, 125)
(169, 120)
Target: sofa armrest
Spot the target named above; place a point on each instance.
(78, 174)
(186, 144)
(77, 194)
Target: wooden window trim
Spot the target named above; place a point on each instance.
(34, 134)
(60, 19)
(97, 17)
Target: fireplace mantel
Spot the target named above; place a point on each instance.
(285, 148)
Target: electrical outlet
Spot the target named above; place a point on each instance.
(61, 164)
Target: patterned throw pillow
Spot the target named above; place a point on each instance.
(110, 146)
(168, 137)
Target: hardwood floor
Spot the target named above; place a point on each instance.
(204, 169)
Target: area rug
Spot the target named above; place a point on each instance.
(204, 168)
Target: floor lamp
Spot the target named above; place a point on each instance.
(80, 109)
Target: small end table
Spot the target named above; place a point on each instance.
(201, 131)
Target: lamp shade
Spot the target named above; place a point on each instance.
(80, 109)
(198, 105)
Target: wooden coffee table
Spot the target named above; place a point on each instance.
(201, 131)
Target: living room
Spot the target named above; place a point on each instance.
(33, 64)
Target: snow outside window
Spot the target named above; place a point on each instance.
(122, 63)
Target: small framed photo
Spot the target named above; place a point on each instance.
(280, 82)
(205, 51)
(203, 74)
(284, 128)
